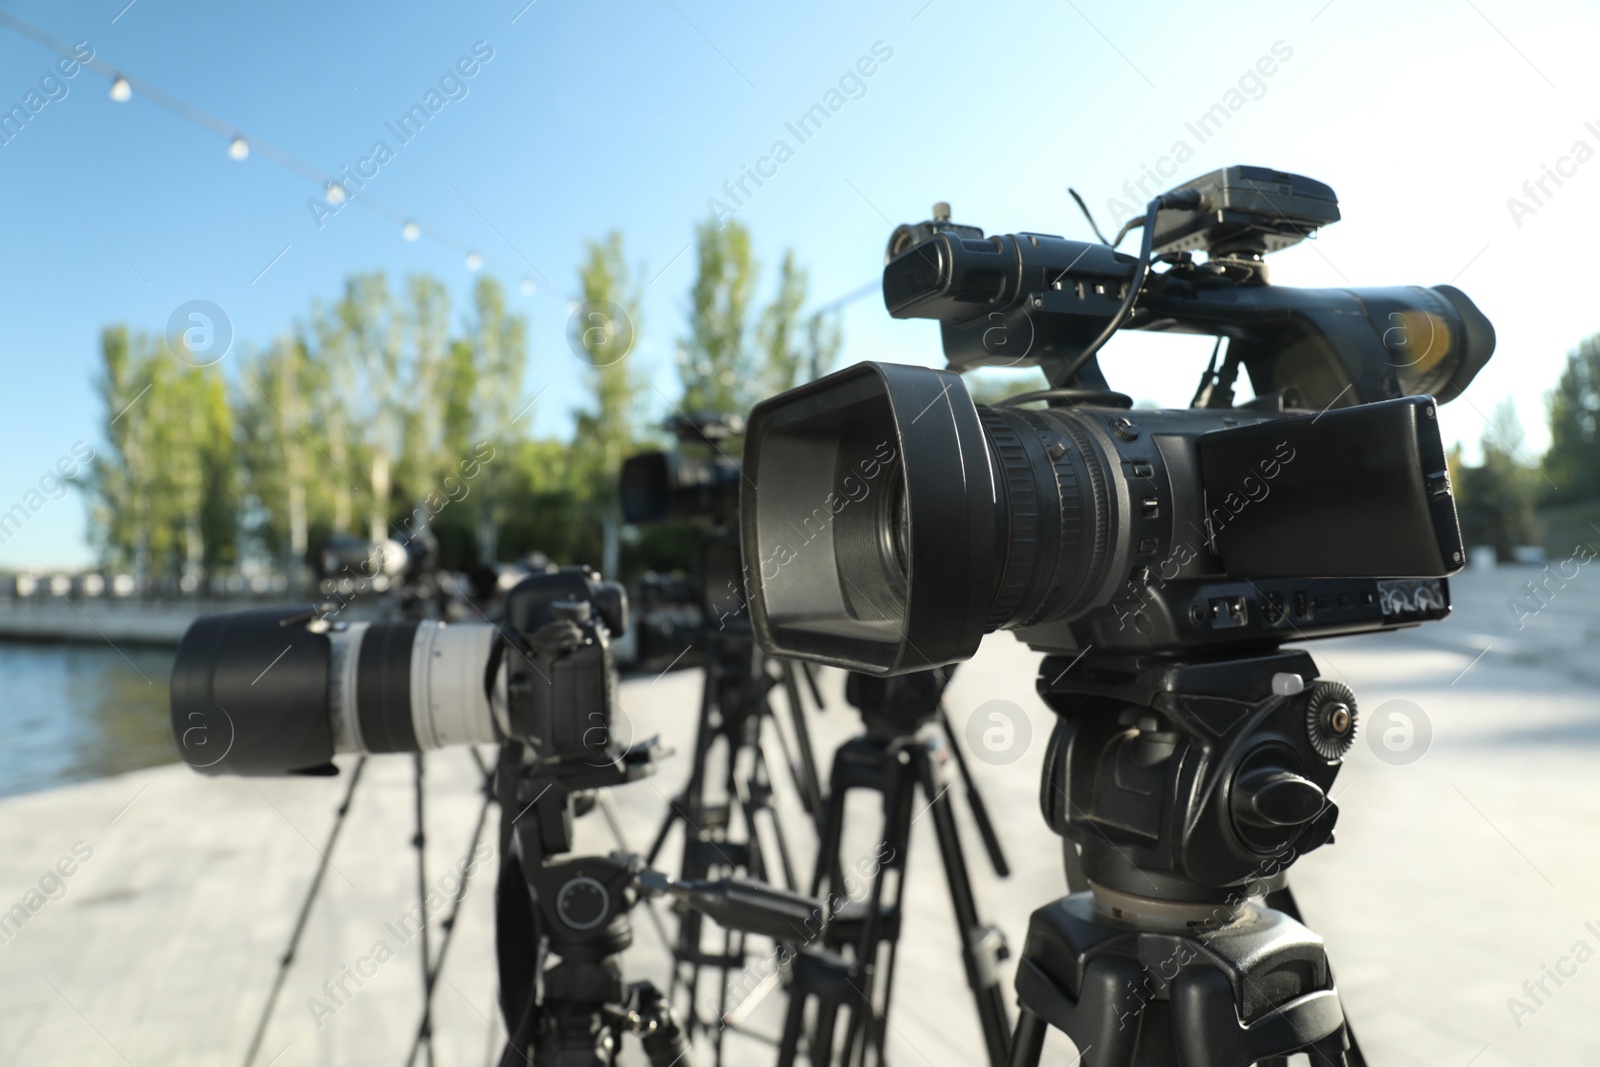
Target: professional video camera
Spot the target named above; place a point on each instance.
(1160, 558)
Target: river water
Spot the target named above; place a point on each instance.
(70, 712)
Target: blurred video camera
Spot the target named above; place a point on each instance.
(697, 484)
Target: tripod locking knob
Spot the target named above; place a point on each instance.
(1331, 720)
(1275, 798)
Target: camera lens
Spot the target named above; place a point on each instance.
(908, 521)
(279, 690)
(874, 544)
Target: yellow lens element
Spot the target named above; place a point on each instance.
(1416, 340)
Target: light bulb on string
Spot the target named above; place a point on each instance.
(474, 262)
(333, 193)
(238, 149)
(411, 231)
(121, 91)
(528, 288)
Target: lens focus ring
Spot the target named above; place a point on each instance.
(1022, 510)
(1085, 518)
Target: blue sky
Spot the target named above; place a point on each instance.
(1424, 117)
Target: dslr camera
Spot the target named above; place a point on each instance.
(332, 685)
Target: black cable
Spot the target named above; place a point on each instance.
(1185, 198)
(305, 910)
(1085, 209)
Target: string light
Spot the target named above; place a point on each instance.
(239, 146)
(528, 288)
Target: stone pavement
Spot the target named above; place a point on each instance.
(1457, 877)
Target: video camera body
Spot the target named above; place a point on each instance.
(1321, 507)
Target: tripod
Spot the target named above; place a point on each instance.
(736, 715)
(1189, 788)
(571, 915)
(902, 750)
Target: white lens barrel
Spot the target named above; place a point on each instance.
(391, 693)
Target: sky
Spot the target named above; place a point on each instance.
(1426, 118)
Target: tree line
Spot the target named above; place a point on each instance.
(1511, 499)
(380, 412)
(377, 413)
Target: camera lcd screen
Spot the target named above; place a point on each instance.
(1359, 492)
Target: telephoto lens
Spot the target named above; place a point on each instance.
(281, 690)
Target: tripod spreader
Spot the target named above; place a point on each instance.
(740, 904)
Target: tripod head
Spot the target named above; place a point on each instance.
(1192, 785)
(899, 705)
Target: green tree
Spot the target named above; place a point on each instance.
(780, 335)
(824, 338)
(498, 343)
(605, 431)
(288, 481)
(425, 460)
(118, 512)
(1572, 464)
(1496, 498)
(374, 329)
(713, 362)
(164, 488)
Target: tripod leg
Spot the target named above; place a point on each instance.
(894, 853)
(1027, 1045)
(419, 842)
(868, 1023)
(982, 948)
(763, 774)
(811, 791)
(305, 910)
(980, 811)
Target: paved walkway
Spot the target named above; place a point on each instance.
(1457, 877)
